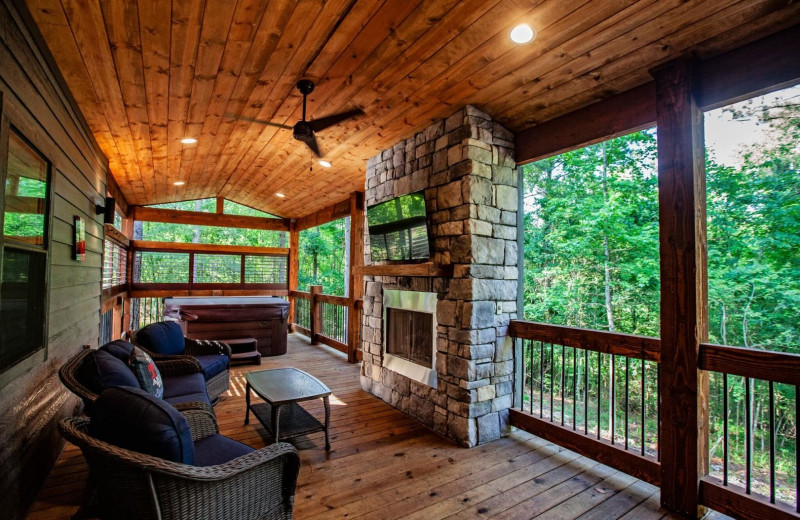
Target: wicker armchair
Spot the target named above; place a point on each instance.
(171, 366)
(198, 351)
(130, 485)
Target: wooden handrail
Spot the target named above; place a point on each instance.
(333, 300)
(645, 468)
(734, 501)
(151, 245)
(628, 345)
(300, 294)
(766, 365)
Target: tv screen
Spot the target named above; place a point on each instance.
(398, 229)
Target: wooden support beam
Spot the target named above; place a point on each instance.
(199, 218)
(316, 314)
(683, 438)
(333, 212)
(294, 266)
(753, 69)
(618, 115)
(220, 206)
(150, 245)
(356, 280)
(115, 234)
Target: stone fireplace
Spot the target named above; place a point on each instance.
(462, 386)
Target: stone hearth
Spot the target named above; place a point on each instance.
(465, 165)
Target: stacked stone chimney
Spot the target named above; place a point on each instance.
(465, 165)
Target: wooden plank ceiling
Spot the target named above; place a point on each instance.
(147, 73)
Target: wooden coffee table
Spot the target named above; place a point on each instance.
(281, 389)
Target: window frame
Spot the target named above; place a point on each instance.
(7, 129)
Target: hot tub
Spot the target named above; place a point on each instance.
(263, 318)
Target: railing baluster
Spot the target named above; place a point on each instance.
(530, 373)
(541, 379)
(552, 376)
(772, 442)
(658, 412)
(613, 395)
(627, 401)
(725, 429)
(599, 386)
(586, 392)
(574, 388)
(747, 434)
(641, 426)
(563, 380)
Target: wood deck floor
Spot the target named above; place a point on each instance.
(384, 465)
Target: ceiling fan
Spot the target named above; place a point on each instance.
(304, 130)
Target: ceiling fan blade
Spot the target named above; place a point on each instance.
(313, 145)
(318, 125)
(259, 121)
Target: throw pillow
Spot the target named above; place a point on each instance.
(146, 372)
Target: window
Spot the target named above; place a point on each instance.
(25, 194)
(24, 262)
(115, 260)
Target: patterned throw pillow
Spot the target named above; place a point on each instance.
(147, 373)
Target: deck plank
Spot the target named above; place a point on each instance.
(385, 465)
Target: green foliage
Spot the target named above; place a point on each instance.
(578, 202)
(592, 260)
(322, 257)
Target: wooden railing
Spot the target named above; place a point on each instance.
(591, 392)
(145, 311)
(597, 393)
(753, 381)
(326, 319)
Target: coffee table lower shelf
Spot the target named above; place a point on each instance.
(294, 420)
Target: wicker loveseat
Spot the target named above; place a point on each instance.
(232, 481)
(165, 340)
(86, 377)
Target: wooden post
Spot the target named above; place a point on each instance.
(316, 314)
(683, 437)
(294, 268)
(356, 281)
(220, 205)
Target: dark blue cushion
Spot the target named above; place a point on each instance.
(186, 388)
(199, 397)
(165, 338)
(120, 349)
(184, 384)
(101, 370)
(213, 364)
(218, 449)
(135, 420)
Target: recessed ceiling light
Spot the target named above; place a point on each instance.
(324, 163)
(188, 140)
(178, 183)
(522, 33)
(280, 195)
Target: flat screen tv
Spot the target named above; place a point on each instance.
(398, 229)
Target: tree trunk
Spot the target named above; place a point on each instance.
(606, 252)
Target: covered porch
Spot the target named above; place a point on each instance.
(385, 465)
(128, 129)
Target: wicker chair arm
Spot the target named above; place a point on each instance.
(263, 482)
(178, 365)
(201, 417)
(68, 377)
(195, 347)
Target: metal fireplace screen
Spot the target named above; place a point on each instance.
(409, 335)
